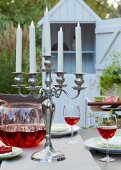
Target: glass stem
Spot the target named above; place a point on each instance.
(72, 133)
(107, 151)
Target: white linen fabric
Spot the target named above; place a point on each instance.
(78, 157)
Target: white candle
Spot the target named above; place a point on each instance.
(60, 50)
(32, 48)
(78, 49)
(18, 49)
(47, 37)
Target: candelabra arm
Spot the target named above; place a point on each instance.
(78, 93)
(25, 95)
(60, 84)
(59, 91)
(56, 92)
(32, 81)
(41, 92)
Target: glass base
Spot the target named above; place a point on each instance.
(107, 159)
(72, 142)
(48, 156)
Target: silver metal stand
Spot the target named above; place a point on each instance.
(48, 154)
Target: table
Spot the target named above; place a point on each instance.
(23, 162)
(78, 157)
(96, 106)
(93, 103)
(91, 133)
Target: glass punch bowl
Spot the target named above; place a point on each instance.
(21, 124)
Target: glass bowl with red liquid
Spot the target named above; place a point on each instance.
(21, 124)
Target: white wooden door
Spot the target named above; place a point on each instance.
(108, 41)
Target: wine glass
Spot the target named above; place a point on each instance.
(71, 115)
(107, 126)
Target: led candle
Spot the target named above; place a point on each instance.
(18, 49)
(60, 50)
(78, 49)
(32, 48)
(47, 37)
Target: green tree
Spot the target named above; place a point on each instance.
(23, 11)
(12, 12)
(102, 8)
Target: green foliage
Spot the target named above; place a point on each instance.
(111, 74)
(102, 8)
(24, 11)
(7, 57)
(7, 60)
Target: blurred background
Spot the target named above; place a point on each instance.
(13, 12)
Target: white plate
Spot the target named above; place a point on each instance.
(15, 152)
(108, 108)
(113, 149)
(60, 129)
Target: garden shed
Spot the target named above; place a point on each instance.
(99, 39)
(67, 13)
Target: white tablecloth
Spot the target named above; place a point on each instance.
(77, 158)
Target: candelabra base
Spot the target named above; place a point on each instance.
(48, 156)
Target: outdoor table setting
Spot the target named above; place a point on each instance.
(21, 133)
(76, 155)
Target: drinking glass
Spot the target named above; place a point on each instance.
(71, 115)
(107, 126)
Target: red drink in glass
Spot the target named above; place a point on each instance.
(22, 135)
(107, 132)
(72, 120)
(71, 115)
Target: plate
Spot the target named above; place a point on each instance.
(108, 108)
(99, 144)
(15, 152)
(60, 129)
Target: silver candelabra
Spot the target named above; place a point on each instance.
(48, 154)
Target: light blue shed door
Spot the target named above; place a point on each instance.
(88, 46)
(70, 62)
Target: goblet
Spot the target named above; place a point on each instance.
(71, 115)
(107, 126)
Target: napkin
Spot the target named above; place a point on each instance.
(59, 127)
(114, 142)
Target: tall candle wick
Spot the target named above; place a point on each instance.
(32, 48)
(47, 33)
(60, 28)
(78, 25)
(60, 50)
(32, 23)
(18, 48)
(78, 49)
(18, 25)
(46, 9)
